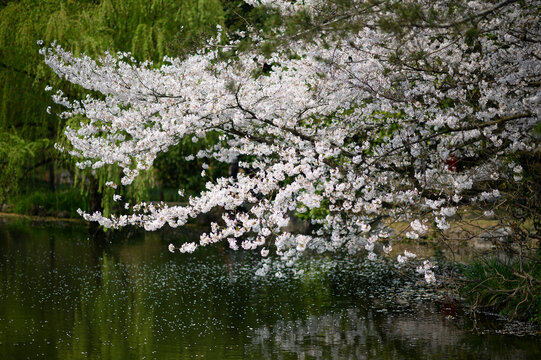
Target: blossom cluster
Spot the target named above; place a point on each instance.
(366, 128)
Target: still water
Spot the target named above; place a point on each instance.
(65, 295)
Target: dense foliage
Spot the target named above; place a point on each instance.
(148, 29)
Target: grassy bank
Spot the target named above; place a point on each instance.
(509, 287)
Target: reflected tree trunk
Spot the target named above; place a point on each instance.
(51, 252)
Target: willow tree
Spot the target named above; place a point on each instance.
(147, 29)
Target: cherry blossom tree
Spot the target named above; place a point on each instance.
(371, 113)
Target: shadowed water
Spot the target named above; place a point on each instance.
(64, 295)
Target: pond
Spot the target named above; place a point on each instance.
(67, 295)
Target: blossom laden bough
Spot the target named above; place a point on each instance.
(356, 126)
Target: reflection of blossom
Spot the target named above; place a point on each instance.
(351, 334)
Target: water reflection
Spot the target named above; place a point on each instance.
(354, 334)
(65, 296)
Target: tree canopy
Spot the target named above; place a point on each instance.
(360, 113)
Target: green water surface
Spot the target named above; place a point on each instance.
(67, 295)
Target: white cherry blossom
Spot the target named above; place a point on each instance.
(363, 127)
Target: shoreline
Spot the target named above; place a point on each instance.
(39, 218)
